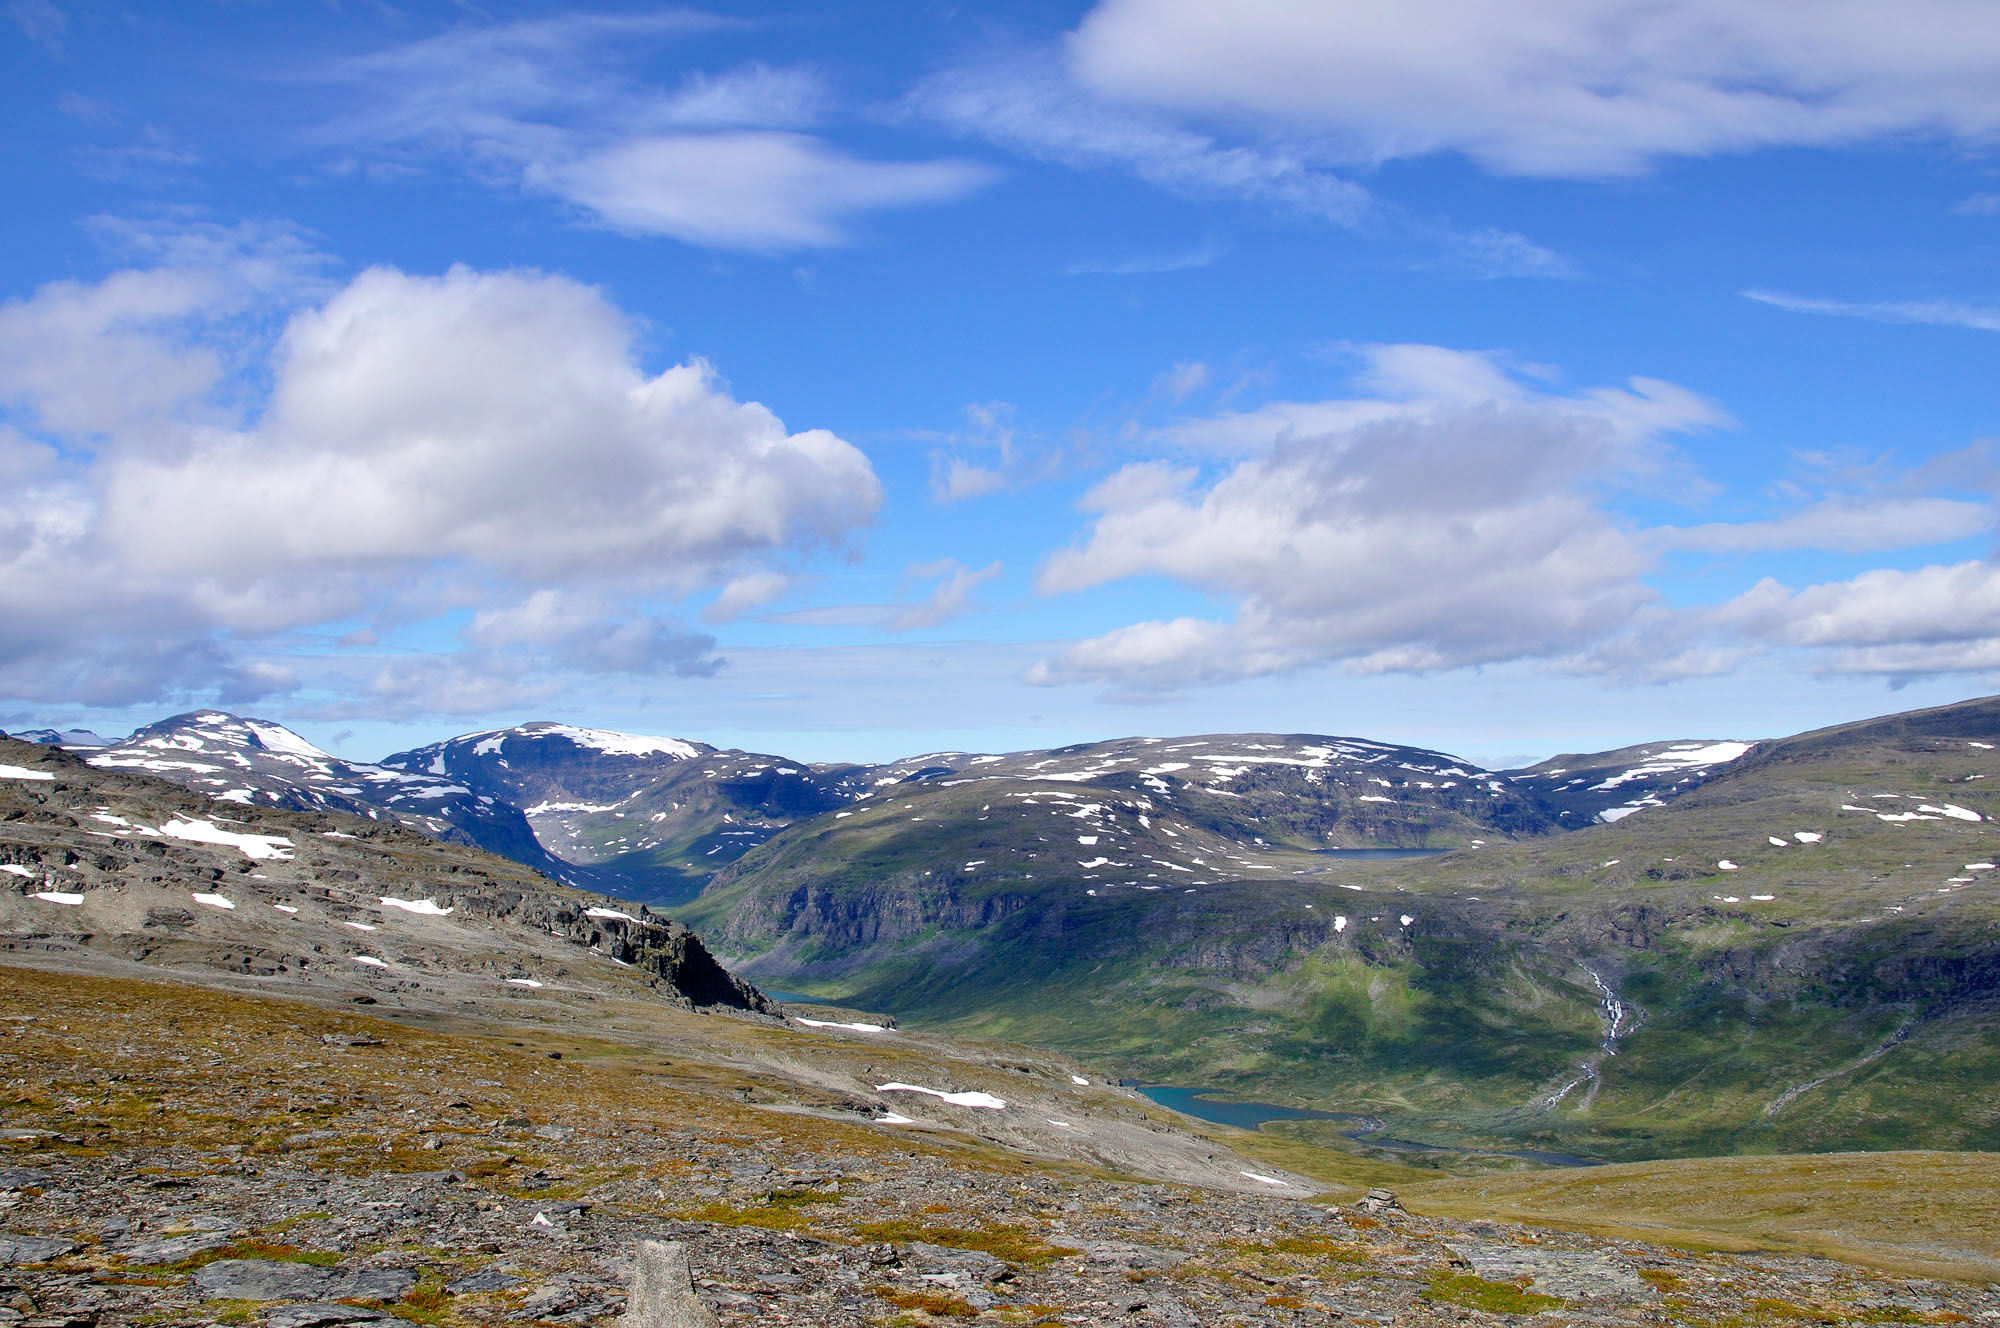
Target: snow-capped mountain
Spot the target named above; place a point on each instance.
(257, 763)
(1308, 789)
(655, 818)
(652, 816)
(1608, 786)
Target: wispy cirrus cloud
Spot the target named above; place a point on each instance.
(1936, 313)
(951, 595)
(554, 107)
(1147, 264)
(1030, 106)
(1843, 525)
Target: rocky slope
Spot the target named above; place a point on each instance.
(102, 864)
(254, 1161)
(104, 872)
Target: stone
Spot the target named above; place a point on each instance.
(936, 1263)
(1130, 1256)
(261, 1279)
(1570, 1274)
(551, 1298)
(319, 1315)
(172, 1249)
(21, 1178)
(33, 1249)
(490, 1279)
(662, 1293)
(384, 1284)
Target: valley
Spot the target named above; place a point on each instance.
(1790, 957)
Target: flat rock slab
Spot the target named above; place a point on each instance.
(1124, 1254)
(261, 1279)
(976, 1267)
(32, 1249)
(321, 1315)
(1570, 1274)
(21, 1178)
(491, 1279)
(372, 1284)
(172, 1249)
(275, 1279)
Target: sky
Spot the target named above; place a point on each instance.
(857, 379)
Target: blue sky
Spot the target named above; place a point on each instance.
(856, 379)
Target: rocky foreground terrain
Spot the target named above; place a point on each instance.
(184, 1156)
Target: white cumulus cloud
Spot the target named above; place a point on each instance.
(1446, 521)
(406, 446)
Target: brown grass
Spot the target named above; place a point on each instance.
(1923, 1213)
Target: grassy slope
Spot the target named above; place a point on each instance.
(1930, 1213)
(1453, 1027)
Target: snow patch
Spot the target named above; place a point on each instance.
(829, 1023)
(57, 897)
(970, 1099)
(251, 846)
(426, 907)
(213, 901)
(623, 744)
(22, 772)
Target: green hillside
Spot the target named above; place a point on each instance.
(1617, 991)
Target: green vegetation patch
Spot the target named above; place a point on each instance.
(243, 1249)
(1011, 1243)
(1494, 1297)
(940, 1303)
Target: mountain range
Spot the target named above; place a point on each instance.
(1692, 946)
